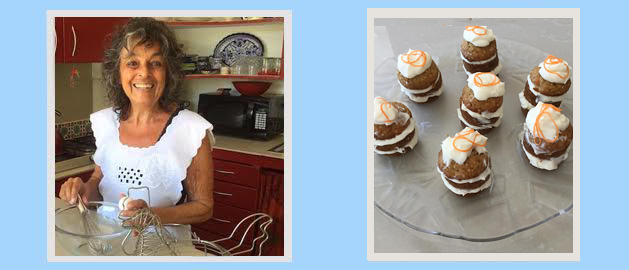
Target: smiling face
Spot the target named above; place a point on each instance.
(143, 74)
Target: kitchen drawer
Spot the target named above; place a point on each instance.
(225, 219)
(235, 195)
(236, 173)
(227, 244)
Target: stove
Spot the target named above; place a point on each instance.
(76, 153)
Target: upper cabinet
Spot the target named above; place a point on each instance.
(83, 40)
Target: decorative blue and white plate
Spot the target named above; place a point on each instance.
(237, 45)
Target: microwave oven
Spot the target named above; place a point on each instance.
(253, 117)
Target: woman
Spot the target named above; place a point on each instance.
(146, 139)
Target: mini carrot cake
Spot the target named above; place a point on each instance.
(479, 51)
(480, 105)
(419, 76)
(547, 83)
(547, 136)
(394, 128)
(464, 164)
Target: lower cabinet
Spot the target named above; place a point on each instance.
(272, 203)
(243, 185)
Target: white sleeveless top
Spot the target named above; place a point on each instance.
(160, 167)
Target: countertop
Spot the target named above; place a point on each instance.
(228, 143)
(394, 36)
(247, 146)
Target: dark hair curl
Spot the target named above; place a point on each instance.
(143, 31)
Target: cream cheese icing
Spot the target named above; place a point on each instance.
(464, 192)
(495, 124)
(480, 36)
(547, 121)
(485, 85)
(524, 103)
(555, 70)
(478, 62)
(546, 164)
(450, 153)
(421, 99)
(401, 150)
(410, 70)
(384, 112)
(399, 137)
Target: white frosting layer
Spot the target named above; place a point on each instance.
(497, 123)
(452, 154)
(418, 91)
(541, 97)
(479, 62)
(561, 68)
(480, 177)
(485, 91)
(525, 104)
(546, 164)
(399, 137)
(423, 98)
(402, 150)
(479, 40)
(410, 71)
(484, 116)
(383, 112)
(496, 70)
(464, 192)
(545, 122)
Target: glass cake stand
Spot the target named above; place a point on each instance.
(409, 189)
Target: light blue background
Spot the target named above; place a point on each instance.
(329, 125)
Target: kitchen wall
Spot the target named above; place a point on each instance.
(202, 41)
(73, 101)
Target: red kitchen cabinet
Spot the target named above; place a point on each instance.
(272, 203)
(84, 176)
(83, 39)
(245, 184)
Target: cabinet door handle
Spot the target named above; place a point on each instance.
(223, 193)
(221, 220)
(74, 46)
(224, 172)
(55, 35)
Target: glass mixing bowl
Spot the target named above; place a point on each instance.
(104, 240)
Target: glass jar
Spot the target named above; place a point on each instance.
(203, 65)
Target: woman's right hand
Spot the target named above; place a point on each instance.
(71, 188)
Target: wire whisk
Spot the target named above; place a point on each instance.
(152, 237)
(90, 224)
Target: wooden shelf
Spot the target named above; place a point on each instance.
(233, 76)
(219, 23)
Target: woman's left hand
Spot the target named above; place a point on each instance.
(132, 206)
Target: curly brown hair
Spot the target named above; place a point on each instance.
(143, 31)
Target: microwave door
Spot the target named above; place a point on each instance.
(228, 117)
